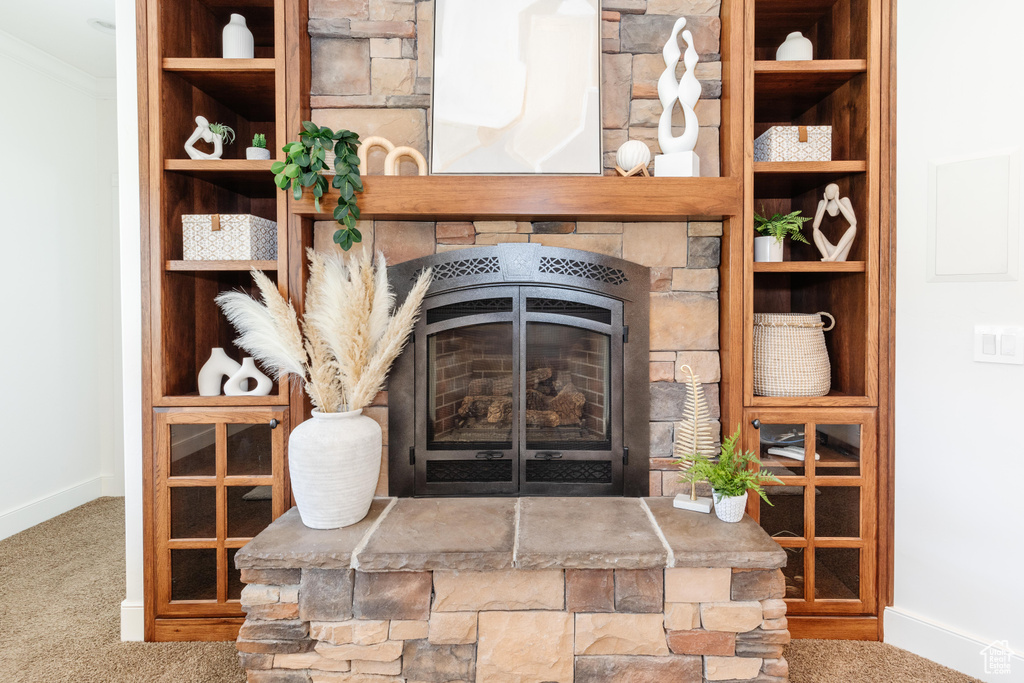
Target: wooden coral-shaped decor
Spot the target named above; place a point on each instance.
(695, 439)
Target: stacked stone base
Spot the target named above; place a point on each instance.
(684, 625)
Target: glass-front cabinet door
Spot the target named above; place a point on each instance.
(219, 479)
(824, 512)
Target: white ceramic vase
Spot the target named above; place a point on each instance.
(334, 461)
(237, 39)
(767, 249)
(730, 508)
(214, 371)
(237, 383)
(795, 49)
(257, 153)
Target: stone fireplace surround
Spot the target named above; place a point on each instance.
(522, 590)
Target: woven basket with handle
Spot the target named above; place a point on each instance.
(790, 358)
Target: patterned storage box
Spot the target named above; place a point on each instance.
(794, 143)
(228, 237)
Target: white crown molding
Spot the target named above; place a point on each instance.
(32, 57)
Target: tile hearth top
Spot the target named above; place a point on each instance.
(480, 534)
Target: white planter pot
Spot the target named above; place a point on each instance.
(796, 48)
(767, 249)
(257, 153)
(730, 508)
(237, 39)
(214, 371)
(334, 461)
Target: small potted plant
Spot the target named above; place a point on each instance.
(225, 132)
(731, 476)
(259, 148)
(774, 230)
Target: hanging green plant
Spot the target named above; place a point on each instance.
(306, 161)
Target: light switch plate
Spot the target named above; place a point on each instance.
(999, 344)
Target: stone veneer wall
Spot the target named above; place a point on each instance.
(685, 625)
(371, 73)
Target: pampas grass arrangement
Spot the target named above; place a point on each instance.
(348, 338)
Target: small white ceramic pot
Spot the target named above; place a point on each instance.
(767, 249)
(730, 508)
(795, 49)
(257, 153)
(334, 462)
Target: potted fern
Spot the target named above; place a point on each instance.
(259, 148)
(769, 247)
(341, 350)
(731, 476)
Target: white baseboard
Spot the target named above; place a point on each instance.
(133, 621)
(48, 507)
(939, 643)
(112, 486)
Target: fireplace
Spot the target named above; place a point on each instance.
(527, 374)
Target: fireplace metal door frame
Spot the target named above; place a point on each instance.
(569, 272)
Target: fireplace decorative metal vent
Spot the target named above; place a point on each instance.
(527, 374)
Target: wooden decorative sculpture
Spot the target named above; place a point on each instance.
(695, 439)
(364, 149)
(834, 205)
(391, 161)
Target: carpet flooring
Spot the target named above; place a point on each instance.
(62, 582)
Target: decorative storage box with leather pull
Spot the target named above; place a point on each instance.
(790, 358)
(794, 143)
(228, 237)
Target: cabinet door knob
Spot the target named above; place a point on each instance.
(274, 423)
(756, 423)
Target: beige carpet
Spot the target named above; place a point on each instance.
(62, 582)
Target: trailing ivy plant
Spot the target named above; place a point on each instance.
(781, 227)
(732, 474)
(306, 161)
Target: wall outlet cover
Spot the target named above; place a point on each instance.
(999, 344)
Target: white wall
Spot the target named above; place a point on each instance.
(61, 388)
(959, 449)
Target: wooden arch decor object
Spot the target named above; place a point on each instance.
(638, 170)
(368, 144)
(391, 162)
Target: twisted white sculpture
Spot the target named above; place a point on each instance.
(677, 158)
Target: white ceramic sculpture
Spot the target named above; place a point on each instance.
(237, 383)
(677, 158)
(795, 49)
(334, 463)
(214, 371)
(203, 132)
(834, 205)
(632, 157)
(237, 39)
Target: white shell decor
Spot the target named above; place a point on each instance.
(797, 48)
(334, 462)
(215, 370)
(235, 386)
(631, 155)
(730, 508)
(203, 132)
(237, 42)
(677, 158)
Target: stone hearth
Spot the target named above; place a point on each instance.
(514, 590)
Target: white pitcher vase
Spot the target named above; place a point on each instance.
(334, 461)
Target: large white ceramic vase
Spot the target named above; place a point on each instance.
(730, 508)
(334, 461)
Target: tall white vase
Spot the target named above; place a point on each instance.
(334, 461)
(236, 384)
(237, 39)
(214, 371)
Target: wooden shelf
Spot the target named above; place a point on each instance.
(248, 177)
(539, 198)
(775, 19)
(197, 401)
(810, 267)
(196, 266)
(791, 178)
(784, 90)
(827, 458)
(834, 399)
(245, 86)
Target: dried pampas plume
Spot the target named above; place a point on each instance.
(348, 338)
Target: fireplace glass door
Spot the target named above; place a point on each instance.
(521, 394)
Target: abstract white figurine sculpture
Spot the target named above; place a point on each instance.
(835, 205)
(203, 131)
(677, 158)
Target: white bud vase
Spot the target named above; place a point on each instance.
(237, 39)
(730, 508)
(214, 371)
(795, 49)
(334, 463)
(235, 386)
